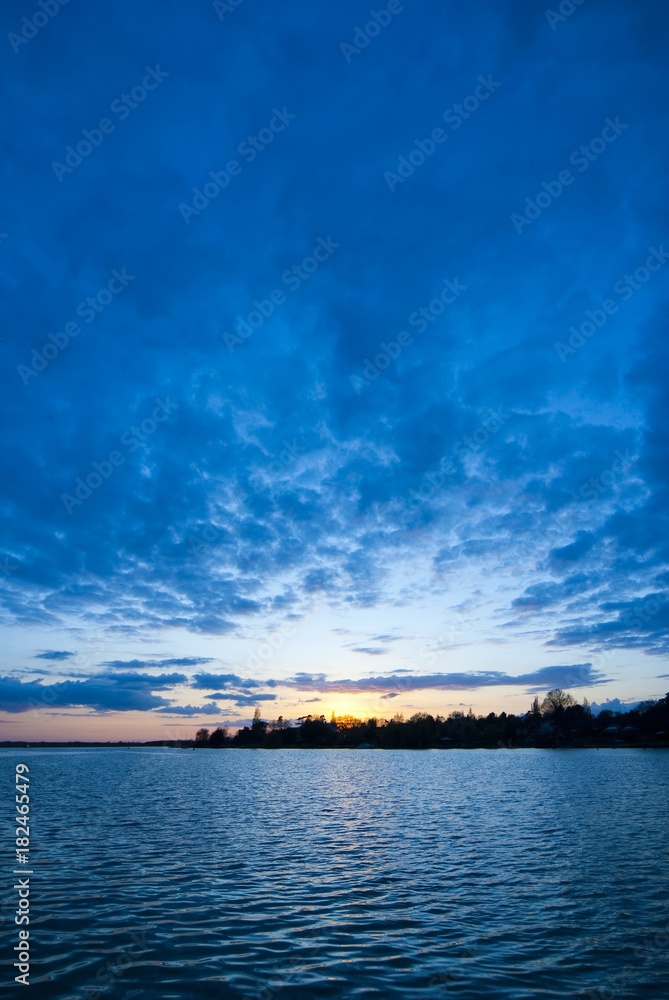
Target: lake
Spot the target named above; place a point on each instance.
(164, 873)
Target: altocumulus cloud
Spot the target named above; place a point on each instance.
(180, 538)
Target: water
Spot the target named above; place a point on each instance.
(162, 873)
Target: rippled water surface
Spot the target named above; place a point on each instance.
(343, 874)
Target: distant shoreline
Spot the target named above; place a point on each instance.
(191, 745)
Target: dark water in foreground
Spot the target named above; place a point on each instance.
(342, 874)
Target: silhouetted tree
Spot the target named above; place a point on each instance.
(556, 700)
(344, 722)
(218, 737)
(279, 724)
(420, 731)
(316, 732)
(560, 721)
(258, 727)
(202, 735)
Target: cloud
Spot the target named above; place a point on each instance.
(249, 702)
(371, 500)
(612, 705)
(103, 693)
(175, 661)
(370, 650)
(54, 654)
(575, 550)
(189, 710)
(574, 675)
(639, 623)
(241, 699)
(208, 681)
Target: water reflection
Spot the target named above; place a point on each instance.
(472, 874)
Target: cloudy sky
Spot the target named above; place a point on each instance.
(334, 360)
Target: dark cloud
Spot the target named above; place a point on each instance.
(576, 549)
(208, 681)
(54, 654)
(576, 675)
(175, 661)
(103, 693)
(240, 699)
(243, 701)
(190, 710)
(640, 623)
(240, 691)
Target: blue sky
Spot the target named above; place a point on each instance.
(334, 360)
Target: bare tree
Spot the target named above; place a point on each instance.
(202, 736)
(556, 700)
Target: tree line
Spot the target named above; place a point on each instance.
(557, 721)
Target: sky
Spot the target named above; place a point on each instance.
(334, 360)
